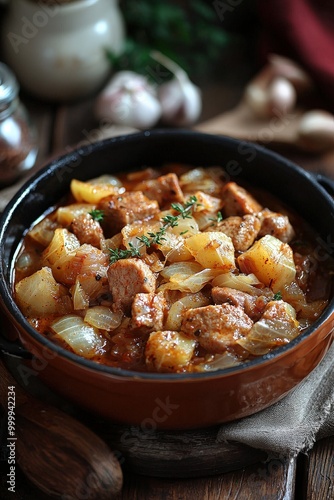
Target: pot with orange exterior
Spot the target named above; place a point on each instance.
(163, 400)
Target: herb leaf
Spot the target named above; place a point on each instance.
(215, 220)
(118, 253)
(170, 220)
(185, 210)
(97, 215)
(144, 239)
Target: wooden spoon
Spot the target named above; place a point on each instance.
(61, 456)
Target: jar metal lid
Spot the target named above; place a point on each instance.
(9, 87)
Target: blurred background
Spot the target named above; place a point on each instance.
(72, 60)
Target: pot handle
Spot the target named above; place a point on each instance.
(11, 347)
(326, 182)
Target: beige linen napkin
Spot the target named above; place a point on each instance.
(293, 424)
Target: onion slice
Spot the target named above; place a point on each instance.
(83, 339)
(103, 318)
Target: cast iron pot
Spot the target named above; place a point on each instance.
(170, 401)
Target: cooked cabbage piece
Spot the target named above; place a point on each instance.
(212, 249)
(168, 351)
(93, 192)
(82, 338)
(276, 327)
(43, 231)
(65, 215)
(271, 261)
(41, 295)
(59, 253)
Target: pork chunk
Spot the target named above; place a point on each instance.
(253, 306)
(238, 201)
(242, 230)
(277, 225)
(126, 278)
(87, 230)
(216, 328)
(164, 189)
(125, 208)
(148, 310)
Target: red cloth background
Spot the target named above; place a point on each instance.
(303, 30)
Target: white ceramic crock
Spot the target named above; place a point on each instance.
(58, 50)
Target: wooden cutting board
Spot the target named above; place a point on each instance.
(242, 123)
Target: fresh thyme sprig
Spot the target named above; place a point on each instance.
(145, 239)
(157, 238)
(219, 217)
(186, 209)
(169, 220)
(97, 215)
(118, 254)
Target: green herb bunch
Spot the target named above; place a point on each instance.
(189, 33)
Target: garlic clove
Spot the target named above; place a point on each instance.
(140, 110)
(257, 99)
(128, 100)
(181, 102)
(122, 78)
(282, 96)
(282, 66)
(316, 131)
(270, 98)
(256, 92)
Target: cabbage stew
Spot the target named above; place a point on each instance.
(172, 270)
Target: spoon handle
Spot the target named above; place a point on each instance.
(60, 455)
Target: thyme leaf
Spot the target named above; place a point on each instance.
(157, 238)
(170, 220)
(186, 209)
(97, 215)
(118, 253)
(219, 217)
(144, 239)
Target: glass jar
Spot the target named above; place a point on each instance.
(18, 138)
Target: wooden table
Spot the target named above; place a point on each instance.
(307, 477)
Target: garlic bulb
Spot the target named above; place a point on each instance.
(180, 99)
(257, 99)
(180, 102)
(290, 70)
(129, 100)
(282, 96)
(269, 98)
